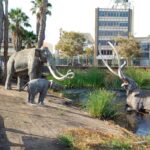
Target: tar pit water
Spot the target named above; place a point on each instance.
(139, 123)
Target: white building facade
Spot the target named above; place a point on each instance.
(110, 23)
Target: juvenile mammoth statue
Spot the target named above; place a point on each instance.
(40, 86)
(137, 99)
(29, 62)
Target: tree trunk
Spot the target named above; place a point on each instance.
(41, 35)
(1, 22)
(37, 27)
(129, 61)
(6, 38)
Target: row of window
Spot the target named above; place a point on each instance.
(113, 33)
(106, 52)
(113, 23)
(145, 46)
(105, 42)
(113, 13)
(145, 55)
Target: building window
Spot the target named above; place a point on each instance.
(145, 46)
(113, 33)
(145, 55)
(113, 13)
(113, 23)
(106, 52)
(105, 42)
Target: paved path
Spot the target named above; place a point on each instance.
(26, 127)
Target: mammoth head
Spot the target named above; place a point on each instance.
(128, 84)
(44, 54)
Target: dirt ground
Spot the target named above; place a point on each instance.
(34, 127)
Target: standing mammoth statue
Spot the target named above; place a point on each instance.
(29, 62)
(40, 86)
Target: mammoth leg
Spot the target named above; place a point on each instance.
(29, 94)
(32, 75)
(42, 96)
(29, 97)
(19, 83)
(128, 108)
(32, 97)
(10, 71)
(8, 82)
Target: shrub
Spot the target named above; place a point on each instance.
(100, 104)
(67, 141)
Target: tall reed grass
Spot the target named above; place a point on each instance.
(101, 104)
(141, 76)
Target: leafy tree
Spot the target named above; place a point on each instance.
(29, 39)
(41, 8)
(128, 47)
(71, 43)
(18, 20)
(88, 52)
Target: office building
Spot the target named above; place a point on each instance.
(144, 59)
(109, 24)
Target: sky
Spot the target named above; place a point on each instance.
(79, 16)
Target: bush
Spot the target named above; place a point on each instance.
(100, 104)
(67, 141)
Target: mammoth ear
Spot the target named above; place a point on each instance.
(37, 52)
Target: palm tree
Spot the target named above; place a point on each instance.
(1, 21)
(41, 34)
(41, 8)
(18, 20)
(6, 24)
(29, 39)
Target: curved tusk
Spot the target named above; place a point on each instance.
(105, 63)
(120, 73)
(70, 75)
(59, 73)
(69, 71)
(56, 77)
(118, 58)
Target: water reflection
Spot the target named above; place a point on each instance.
(143, 125)
(137, 122)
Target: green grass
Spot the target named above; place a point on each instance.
(100, 104)
(89, 78)
(102, 78)
(67, 141)
(120, 145)
(141, 76)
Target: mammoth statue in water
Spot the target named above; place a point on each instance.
(29, 62)
(137, 99)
